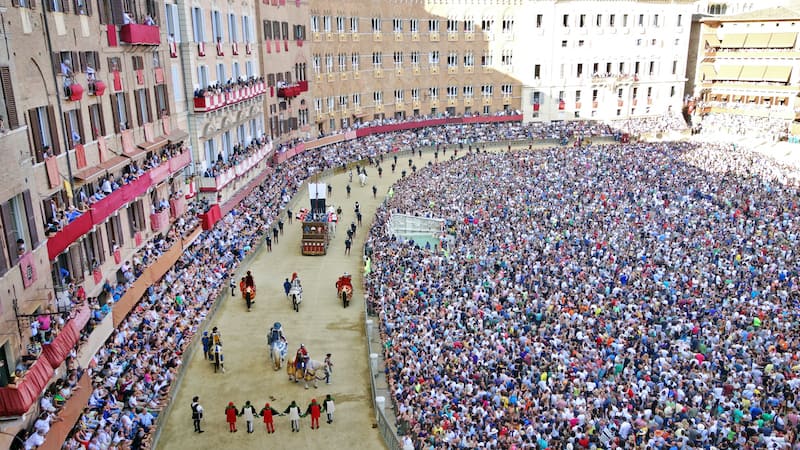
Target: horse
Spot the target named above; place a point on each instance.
(344, 289)
(277, 354)
(314, 371)
(296, 294)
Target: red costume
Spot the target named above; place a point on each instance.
(267, 414)
(344, 280)
(230, 416)
(315, 412)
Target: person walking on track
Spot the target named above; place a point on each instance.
(197, 414)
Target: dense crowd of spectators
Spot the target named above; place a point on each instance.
(771, 128)
(495, 291)
(624, 296)
(651, 125)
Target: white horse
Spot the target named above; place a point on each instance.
(296, 294)
(314, 371)
(362, 179)
(277, 354)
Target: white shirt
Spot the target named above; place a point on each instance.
(34, 441)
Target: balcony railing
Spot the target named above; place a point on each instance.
(217, 183)
(138, 34)
(211, 102)
(104, 208)
(293, 90)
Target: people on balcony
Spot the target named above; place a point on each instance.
(127, 19)
(148, 20)
(240, 153)
(226, 87)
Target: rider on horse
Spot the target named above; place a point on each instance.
(301, 358)
(344, 280)
(276, 333)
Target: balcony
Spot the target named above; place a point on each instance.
(217, 183)
(138, 34)
(101, 210)
(211, 102)
(17, 400)
(293, 90)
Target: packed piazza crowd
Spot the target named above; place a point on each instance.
(133, 372)
(772, 128)
(621, 296)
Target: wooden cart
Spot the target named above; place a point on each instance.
(315, 238)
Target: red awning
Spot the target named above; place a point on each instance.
(89, 173)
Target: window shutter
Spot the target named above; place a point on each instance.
(51, 119)
(69, 129)
(11, 237)
(128, 110)
(116, 12)
(33, 4)
(149, 108)
(36, 133)
(13, 3)
(30, 213)
(3, 262)
(64, 6)
(115, 112)
(57, 62)
(139, 107)
(102, 11)
(88, 7)
(96, 61)
(82, 61)
(8, 93)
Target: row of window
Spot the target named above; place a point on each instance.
(44, 127)
(217, 26)
(343, 101)
(280, 30)
(578, 94)
(486, 24)
(222, 74)
(398, 58)
(243, 134)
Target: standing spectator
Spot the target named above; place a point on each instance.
(289, 214)
(348, 190)
(275, 234)
(347, 244)
(230, 416)
(197, 413)
(280, 226)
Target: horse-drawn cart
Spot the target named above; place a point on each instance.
(315, 238)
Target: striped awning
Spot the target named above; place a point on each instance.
(752, 73)
(708, 72)
(778, 74)
(782, 40)
(712, 40)
(728, 72)
(734, 40)
(757, 40)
